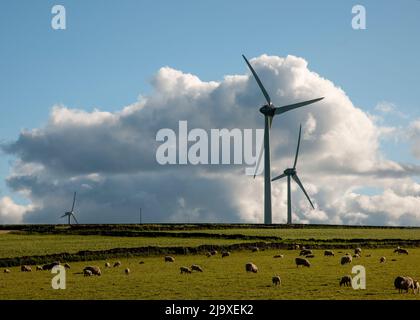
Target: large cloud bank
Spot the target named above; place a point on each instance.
(110, 158)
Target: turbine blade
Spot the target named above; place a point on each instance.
(296, 178)
(74, 200)
(280, 110)
(278, 177)
(267, 97)
(259, 159)
(64, 215)
(75, 218)
(297, 149)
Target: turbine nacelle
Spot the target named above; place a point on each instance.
(290, 172)
(268, 110)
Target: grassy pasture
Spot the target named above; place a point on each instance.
(223, 278)
(322, 233)
(17, 245)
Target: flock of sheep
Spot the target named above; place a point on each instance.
(402, 283)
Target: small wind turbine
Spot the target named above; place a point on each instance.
(291, 173)
(269, 111)
(70, 214)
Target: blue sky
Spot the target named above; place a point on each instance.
(110, 50)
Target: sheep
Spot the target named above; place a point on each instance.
(6, 271)
(278, 256)
(346, 259)
(51, 265)
(302, 262)
(67, 266)
(368, 255)
(356, 256)
(107, 265)
(141, 262)
(401, 251)
(310, 256)
(403, 283)
(213, 252)
(117, 264)
(208, 255)
(185, 270)
(255, 249)
(382, 260)
(127, 271)
(195, 267)
(305, 252)
(329, 253)
(95, 270)
(39, 268)
(276, 280)
(250, 267)
(346, 281)
(296, 247)
(169, 259)
(87, 273)
(358, 251)
(225, 254)
(25, 268)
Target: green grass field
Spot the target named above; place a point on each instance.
(222, 278)
(18, 245)
(323, 233)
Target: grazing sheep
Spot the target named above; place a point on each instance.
(87, 273)
(185, 270)
(358, 251)
(310, 256)
(296, 247)
(6, 271)
(250, 267)
(141, 262)
(25, 268)
(67, 266)
(225, 254)
(278, 256)
(117, 264)
(346, 281)
(127, 271)
(107, 265)
(356, 256)
(401, 251)
(302, 262)
(403, 283)
(95, 270)
(382, 260)
(329, 253)
(51, 265)
(276, 280)
(346, 259)
(213, 252)
(208, 255)
(255, 249)
(305, 252)
(195, 267)
(169, 259)
(39, 268)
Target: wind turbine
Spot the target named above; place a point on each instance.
(291, 173)
(269, 111)
(70, 214)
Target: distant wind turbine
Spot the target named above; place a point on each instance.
(70, 214)
(292, 173)
(269, 111)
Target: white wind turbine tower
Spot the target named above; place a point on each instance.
(292, 173)
(269, 111)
